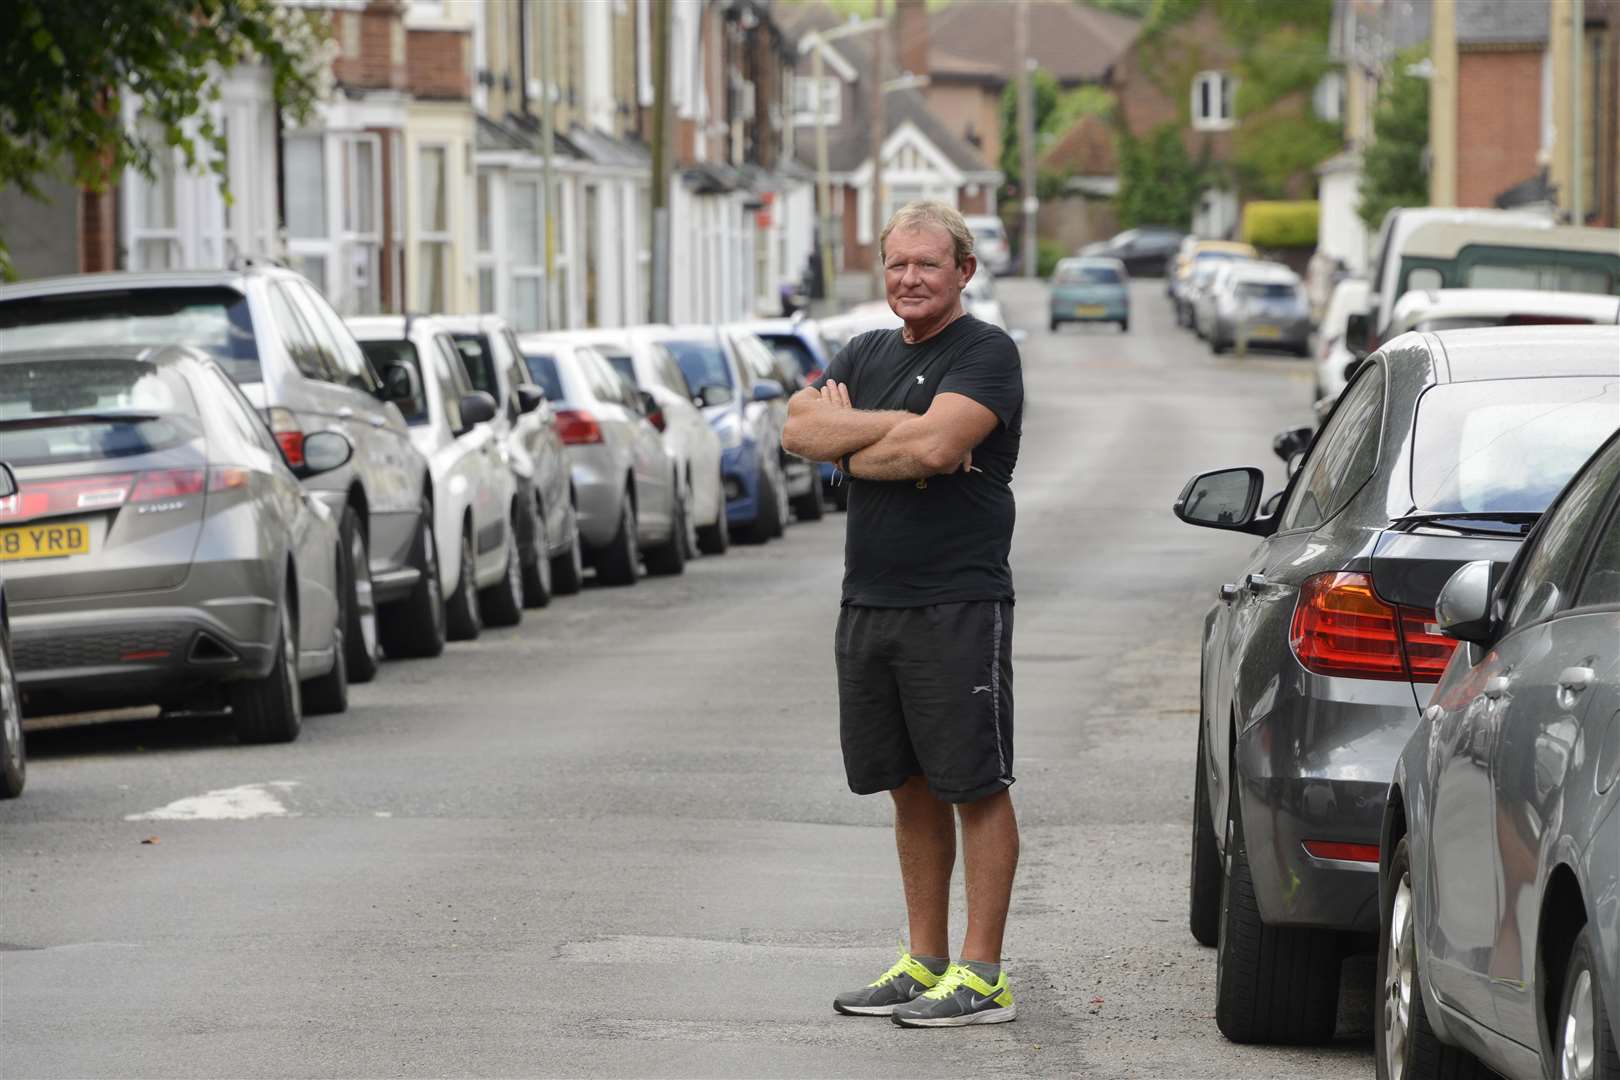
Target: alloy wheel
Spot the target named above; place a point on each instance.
(1399, 967)
(1577, 1059)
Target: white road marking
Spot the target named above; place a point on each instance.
(227, 804)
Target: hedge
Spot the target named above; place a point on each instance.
(1281, 224)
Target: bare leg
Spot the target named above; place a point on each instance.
(990, 855)
(925, 836)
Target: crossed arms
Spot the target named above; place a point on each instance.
(822, 425)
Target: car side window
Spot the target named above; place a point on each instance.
(1343, 458)
(1544, 582)
(605, 383)
(1601, 586)
(670, 372)
(449, 394)
(296, 335)
(353, 368)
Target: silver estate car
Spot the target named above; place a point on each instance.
(1500, 852)
(628, 492)
(160, 550)
(1318, 655)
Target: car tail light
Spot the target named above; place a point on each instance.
(1342, 851)
(168, 484)
(48, 498)
(813, 375)
(576, 427)
(288, 432)
(1342, 627)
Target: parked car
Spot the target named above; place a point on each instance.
(160, 550)
(801, 476)
(1145, 251)
(477, 517)
(13, 755)
(636, 354)
(979, 300)
(1499, 941)
(526, 426)
(1461, 309)
(1334, 356)
(301, 368)
(1207, 283)
(1260, 304)
(1194, 270)
(1320, 652)
(990, 243)
(800, 342)
(737, 402)
(1090, 290)
(629, 493)
(1178, 262)
(838, 330)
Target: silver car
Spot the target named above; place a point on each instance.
(13, 757)
(1500, 852)
(1260, 305)
(626, 485)
(1319, 653)
(160, 550)
(277, 337)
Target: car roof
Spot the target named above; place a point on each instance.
(126, 280)
(1261, 271)
(1440, 303)
(1092, 260)
(471, 324)
(1516, 352)
(1235, 247)
(394, 327)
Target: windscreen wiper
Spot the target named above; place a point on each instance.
(1519, 523)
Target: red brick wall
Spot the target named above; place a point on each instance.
(375, 66)
(437, 64)
(974, 204)
(1498, 122)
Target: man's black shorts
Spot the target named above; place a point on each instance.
(927, 691)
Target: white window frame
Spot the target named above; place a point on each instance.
(527, 272)
(442, 237)
(1222, 89)
(807, 102)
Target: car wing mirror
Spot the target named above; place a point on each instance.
(1223, 499)
(768, 390)
(529, 397)
(401, 383)
(1292, 442)
(1358, 334)
(477, 408)
(323, 452)
(1463, 610)
(714, 394)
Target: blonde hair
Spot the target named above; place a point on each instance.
(931, 212)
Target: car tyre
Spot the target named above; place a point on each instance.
(1273, 984)
(617, 564)
(1124, 326)
(463, 620)
(359, 615)
(716, 539)
(1204, 899)
(1404, 1045)
(415, 626)
(1052, 325)
(807, 507)
(13, 754)
(270, 709)
(1217, 346)
(538, 571)
(1582, 1035)
(501, 604)
(329, 693)
(568, 569)
(669, 559)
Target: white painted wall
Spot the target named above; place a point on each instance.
(1342, 233)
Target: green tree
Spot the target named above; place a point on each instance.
(1159, 182)
(1392, 172)
(65, 66)
(1046, 93)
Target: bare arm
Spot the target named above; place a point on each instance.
(822, 429)
(939, 441)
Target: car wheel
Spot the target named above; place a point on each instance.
(669, 558)
(1272, 984)
(1404, 1045)
(414, 626)
(1052, 325)
(568, 569)
(329, 693)
(1217, 346)
(807, 507)
(716, 539)
(13, 757)
(463, 620)
(617, 564)
(1124, 326)
(1583, 1040)
(784, 508)
(1204, 900)
(359, 602)
(537, 568)
(502, 603)
(270, 710)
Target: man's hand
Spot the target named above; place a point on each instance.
(937, 443)
(837, 394)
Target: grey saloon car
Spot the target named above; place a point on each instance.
(1500, 867)
(160, 550)
(1319, 654)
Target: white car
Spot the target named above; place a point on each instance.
(1462, 309)
(979, 298)
(1333, 353)
(990, 243)
(636, 353)
(475, 511)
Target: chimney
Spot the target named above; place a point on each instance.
(911, 35)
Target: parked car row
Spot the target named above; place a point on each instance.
(1231, 298)
(1409, 711)
(221, 497)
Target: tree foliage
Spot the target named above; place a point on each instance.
(1159, 182)
(66, 67)
(1055, 110)
(1392, 167)
(1274, 143)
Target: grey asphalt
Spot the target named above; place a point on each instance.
(617, 841)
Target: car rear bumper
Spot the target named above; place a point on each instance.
(1289, 335)
(1318, 768)
(598, 493)
(1103, 308)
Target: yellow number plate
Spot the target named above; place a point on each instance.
(1090, 310)
(44, 541)
(1265, 331)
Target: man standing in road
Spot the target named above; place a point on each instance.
(924, 422)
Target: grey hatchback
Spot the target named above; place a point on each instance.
(159, 550)
(1500, 868)
(1443, 450)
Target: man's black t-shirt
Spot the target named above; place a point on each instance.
(943, 540)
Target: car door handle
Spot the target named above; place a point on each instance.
(1228, 591)
(1576, 679)
(345, 413)
(1496, 687)
(377, 420)
(1255, 582)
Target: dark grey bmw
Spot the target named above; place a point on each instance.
(1317, 659)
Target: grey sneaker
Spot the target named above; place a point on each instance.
(904, 981)
(959, 998)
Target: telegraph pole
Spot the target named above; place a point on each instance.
(829, 273)
(879, 46)
(549, 319)
(659, 241)
(1026, 141)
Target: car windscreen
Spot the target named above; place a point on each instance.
(1541, 271)
(791, 348)
(701, 362)
(1087, 275)
(1507, 445)
(480, 362)
(214, 320)
(55, 411)
(543, 369)
(1265, 290)
(620, 362)
(988, 232)
(384, 355)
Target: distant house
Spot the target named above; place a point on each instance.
(1087, 155)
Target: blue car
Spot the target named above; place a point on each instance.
(1090, 289)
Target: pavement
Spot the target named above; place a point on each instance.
(616, 840)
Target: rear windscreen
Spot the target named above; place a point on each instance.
(1257, 290)
(1088, 275)
(622, 363)
(1507, 445)
(63, 410)
(384, 355)
(543, 369)
(214, 320)
(788, 347)
(701, 362)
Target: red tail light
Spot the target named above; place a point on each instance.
(289, 433)
(577, 427)
(168, 484)
(656, 419)
(1342, 851)
(48, 498)
(810, 379)
(1342, 627)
